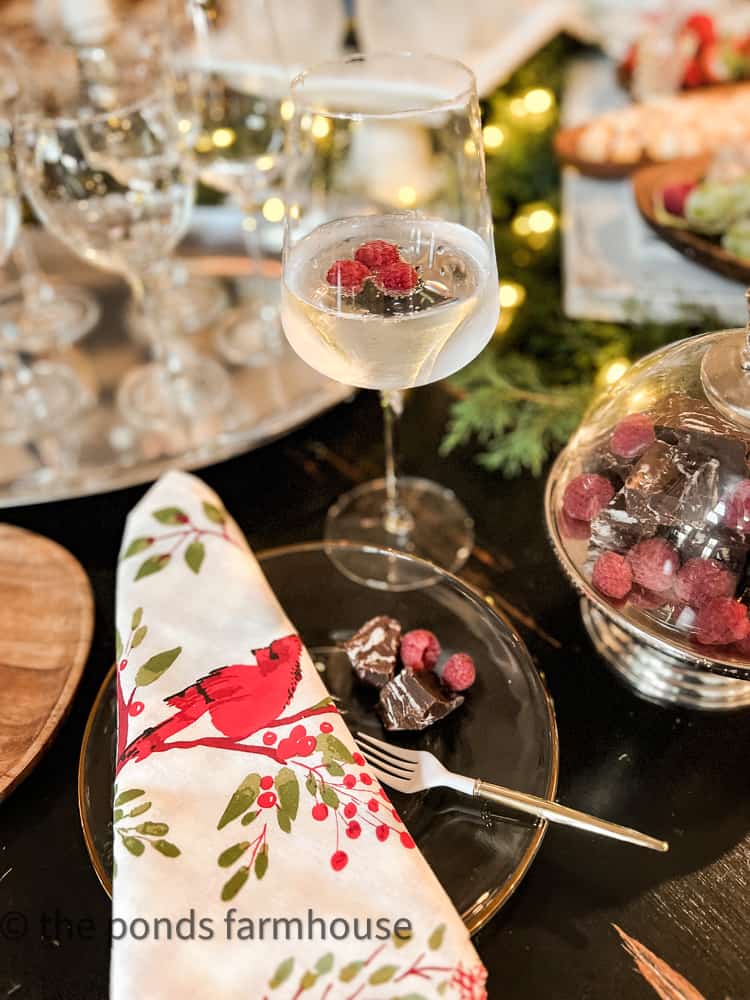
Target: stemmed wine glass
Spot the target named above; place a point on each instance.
(105, 161)
(35, 398)
(389, 273)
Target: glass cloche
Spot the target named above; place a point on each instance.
(648, 508)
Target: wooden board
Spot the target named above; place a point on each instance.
(648, 184)
(566, 144)
(46, 623)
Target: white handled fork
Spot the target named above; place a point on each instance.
(416, 770)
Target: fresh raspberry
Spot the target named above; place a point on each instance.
(674, 197)
(632, 436)
(585, 496)
(399, 278)
(420, 649)
(339, 860)
(654, 563)
(612, 575)
(348, 276)
(571, 528)
(742, 648)
(700, 580)
(721, 621)
(320, 812)
(459, 672)
(377, 254)
(737, 515)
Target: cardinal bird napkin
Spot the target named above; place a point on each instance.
(256, 855)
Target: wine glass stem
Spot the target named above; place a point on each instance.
(397, 519)
(149, 294)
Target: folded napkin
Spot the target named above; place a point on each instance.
(256, 855)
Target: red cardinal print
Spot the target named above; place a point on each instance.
(240, 698)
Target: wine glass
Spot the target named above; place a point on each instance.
(41, 397)
(104, 158)
(389, 275)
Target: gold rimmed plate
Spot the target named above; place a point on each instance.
(505, 732)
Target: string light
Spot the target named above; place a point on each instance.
(184, 125)
(493, 136)
(286, 110)
(407, 195)
(614, 371)
(470, 147)
(223, 137)
(512, 294)
(203, 143)
(264, 163)
(320, 127)
(538, 100)
(518, 107)
(542, 220)
(520, 225)
(273, 210)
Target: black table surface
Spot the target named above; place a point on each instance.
(680, 775)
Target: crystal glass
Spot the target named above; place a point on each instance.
(389, 274)
(103, 156)
(39, 398)
(228, 56)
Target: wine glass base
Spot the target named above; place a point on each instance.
(251, 335)
(441, 532)
(46, 396)
(152, 398)
(193, 306)
(59, 321)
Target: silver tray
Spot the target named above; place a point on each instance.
(100, 451)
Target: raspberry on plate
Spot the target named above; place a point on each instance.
(585, 496)
(377, 253)
(632, 436)
(674, 197)
(721, 621)
(700, 580)
(398, 278)
(458, 672)
(737, 515)
(612, 575)
(347, 275)
(420, 649)
(655, 564)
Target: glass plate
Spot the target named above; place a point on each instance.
(505, 731)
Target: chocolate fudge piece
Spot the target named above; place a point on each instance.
(615, 529)
(701, 433)
(414, 700)
(700, 496)
(728, 548)
(654, 486)
(373, 649)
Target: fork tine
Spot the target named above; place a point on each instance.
(381, 758)
(386, 779)
(406, 756)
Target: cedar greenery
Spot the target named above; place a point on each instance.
(521, 400)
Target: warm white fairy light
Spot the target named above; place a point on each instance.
(320, 127)
(273, 210)
(493, 137)
(512, 294)
(407, 195)
(614, 371)
(223, 137)
(538, 100)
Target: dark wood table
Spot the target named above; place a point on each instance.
(675, 774)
